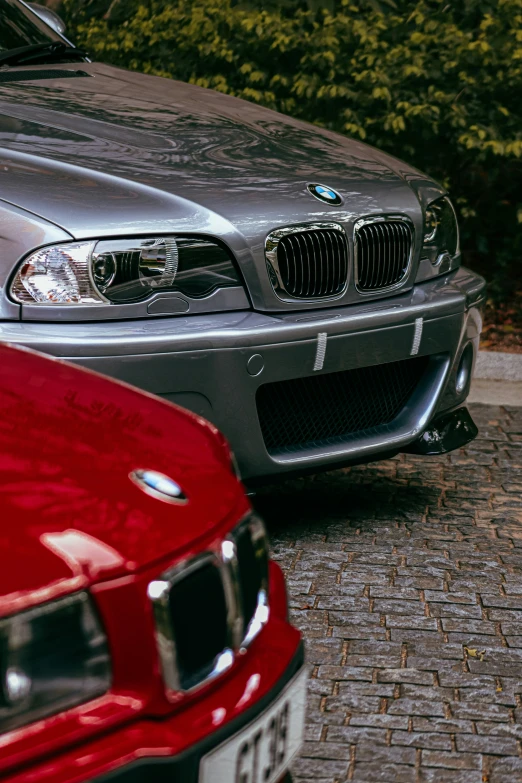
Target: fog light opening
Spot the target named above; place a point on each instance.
(464, 370)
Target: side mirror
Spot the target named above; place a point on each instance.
(50, 18)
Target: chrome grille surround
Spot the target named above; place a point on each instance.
(308, 262)
(386, 264)
(239, 633)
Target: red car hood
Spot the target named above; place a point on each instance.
(70, 513)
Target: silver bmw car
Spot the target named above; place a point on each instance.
(301, 290)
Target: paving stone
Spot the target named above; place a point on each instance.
(383, 773)
(418, 739)
(445, 652)
(348, 702)
(436, 724)
(400, 635)
(426, 692)
(438, 775)
(468, 626)
(359, 631)
(507, 770)
(406, 706)
(384, 606)
(443, 758)
(466, 679)
(386, 721)
(439, 596)
(318, 767)
(392, 569)
(350, 735)
(489, 695)
(492, 744)
(465, 611)
(327, 651)
(405, 675)
(476, 640)
(399, 754)
(382, 689)
(500, 729)
(338, 673)
(327, 750)
(354, 612)
(480, 711)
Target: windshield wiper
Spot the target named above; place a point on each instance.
(44, 52)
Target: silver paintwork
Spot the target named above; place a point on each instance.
(123, 154)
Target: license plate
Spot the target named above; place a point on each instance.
(261, 752)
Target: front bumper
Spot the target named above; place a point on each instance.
(184, 767)
(214, 364)
(168, 750)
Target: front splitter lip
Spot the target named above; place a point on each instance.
(447, 432)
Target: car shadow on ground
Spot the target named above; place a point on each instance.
(405, 578)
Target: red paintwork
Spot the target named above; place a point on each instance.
(71, 518)
(68, 440)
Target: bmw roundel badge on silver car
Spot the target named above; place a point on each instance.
(301, 290)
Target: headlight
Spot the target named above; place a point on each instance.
(441, 232)
(123, 270)
(51, 658)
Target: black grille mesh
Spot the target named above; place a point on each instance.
(37, 75)
(382, 254)
(313, 264)
(326, 409)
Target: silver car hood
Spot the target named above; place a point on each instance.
(121, 153)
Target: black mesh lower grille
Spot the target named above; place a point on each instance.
(326, 409)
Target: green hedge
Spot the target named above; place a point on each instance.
(436, 83)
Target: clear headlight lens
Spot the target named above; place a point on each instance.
(123, 270)
(441, 232)
(51, 658)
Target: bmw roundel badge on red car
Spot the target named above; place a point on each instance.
(143, 627)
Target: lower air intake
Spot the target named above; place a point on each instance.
(327, 409)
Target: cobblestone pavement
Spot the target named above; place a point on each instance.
(405, 577)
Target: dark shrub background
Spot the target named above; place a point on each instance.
(436, 83)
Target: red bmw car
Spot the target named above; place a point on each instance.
(143, 629)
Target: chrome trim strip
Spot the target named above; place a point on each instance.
(381, 223)
(158, 592)
(262, 612)
(274, 273)
(224, 556)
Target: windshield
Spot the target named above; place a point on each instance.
(20, 27)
